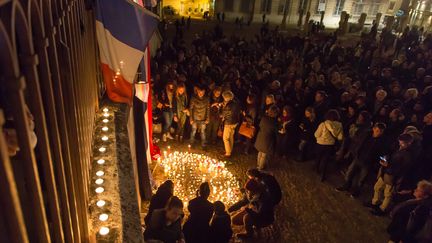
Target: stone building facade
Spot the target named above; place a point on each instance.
(413, 12)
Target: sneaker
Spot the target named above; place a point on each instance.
(378, 212)
(369, 205)
(168, 135)
(164, 138)
(244, 236)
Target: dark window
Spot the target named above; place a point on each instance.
(358, 8)
(339, 7)
(266, 6)
(244, 6)
(229, 5)
(374, 8)
(282, 5)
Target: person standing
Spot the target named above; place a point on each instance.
(199, 109)
(307, 139)
(392, 170)
(368, 149)
(266, 138)
(197, 229)
(168, 106)
(160, 198)
(328, 133)
(230, 118)
(216, 103)
(181, 110)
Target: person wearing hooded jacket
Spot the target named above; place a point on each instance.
(327, 134)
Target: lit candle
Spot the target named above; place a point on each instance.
(103, 217)
(103, 230)
(99, 181)
(100, 173)
(105, 110)
(99, 190)
(100, 203)
(102, 149)
(101, 161)
(104, 138)
(105, 128)
(105, 120)
(106, 115)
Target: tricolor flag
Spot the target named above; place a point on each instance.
(123, 31)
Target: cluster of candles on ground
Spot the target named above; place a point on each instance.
(103, 217)
(188, 170)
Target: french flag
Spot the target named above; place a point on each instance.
(123, 31)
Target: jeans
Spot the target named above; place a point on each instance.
(181, 123)
(201, 125)
(212, 130)
(323, 154)
(380, 186)
(356, 175)
(168, 119)
(228, 138)
(262, 160)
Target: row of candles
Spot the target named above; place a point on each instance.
(188, 170)
(103, 217)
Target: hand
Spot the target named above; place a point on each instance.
(175, 119)
(181, 241)
(159, 105)
(191, 122)
(207, 122)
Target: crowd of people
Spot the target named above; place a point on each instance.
(359, 108)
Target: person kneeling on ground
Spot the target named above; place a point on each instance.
(165, 224)
(258, 212)
(271, 185)
(220, 226)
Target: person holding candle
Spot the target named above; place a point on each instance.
(165, 224)
(230, 118)
(199, 109)
(196, 229)
(266, 137)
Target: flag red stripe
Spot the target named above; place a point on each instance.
(119, 90)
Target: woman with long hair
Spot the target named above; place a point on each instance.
(328, 133)
(181, 110)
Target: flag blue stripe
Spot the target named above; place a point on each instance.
(128, 23)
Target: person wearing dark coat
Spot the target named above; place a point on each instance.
(199, 108)
(196, 229)
(269, 182)
(165, 224)
(409, 217)
(216, 102)
(230, 118)
(287, 138)
(392, 170)
(160, 199)
(168, 102)
(307, 126)
(367, 150)
(266, 137)
(220, 226)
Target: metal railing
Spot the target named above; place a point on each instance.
(48, 77)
